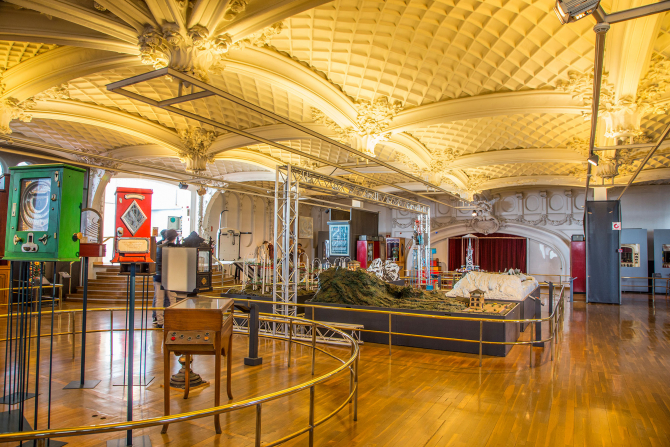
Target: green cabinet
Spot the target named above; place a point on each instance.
(44, 213)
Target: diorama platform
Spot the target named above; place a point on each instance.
(468, 330)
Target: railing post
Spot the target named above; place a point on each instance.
(572, 289)
(532, 329)
(481, 332)
(313, 346)
(389, 334)
(290, 340)
(552, 339)
(311, 416)
(351, 371)
(258, 425)
(74, 324)
(111, 335)
(356, 383)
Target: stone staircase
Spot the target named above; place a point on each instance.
(110, 288)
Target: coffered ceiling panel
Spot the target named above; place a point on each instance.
(420, 51)
(71, 135)
(662, 44)
(313, 147)
(523, 169)
(13, 53)
(504, 132)
(216, 169)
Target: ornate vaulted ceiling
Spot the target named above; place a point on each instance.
(468, 94)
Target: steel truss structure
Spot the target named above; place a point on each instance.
(288, 181)
(286, 274)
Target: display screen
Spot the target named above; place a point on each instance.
(203, 261)
(34, 204)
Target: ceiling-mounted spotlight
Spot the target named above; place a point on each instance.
(594, 159)
(183, 185)
(474, 213)
(572, 10)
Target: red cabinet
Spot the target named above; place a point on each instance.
(578, 265)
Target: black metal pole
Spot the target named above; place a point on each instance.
(253, 359)
(83, 323)
(10, 335)
(39, 342)
(131, 330)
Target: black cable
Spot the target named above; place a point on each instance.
(29, 322)
(22, 341)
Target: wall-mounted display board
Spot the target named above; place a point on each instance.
(44, 213)
(634, 259)
(339, 236)
(662, 257)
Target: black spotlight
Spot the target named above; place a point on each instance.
(183, 185)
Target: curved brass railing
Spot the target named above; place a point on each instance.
(351, 364)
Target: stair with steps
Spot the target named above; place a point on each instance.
(110, 288)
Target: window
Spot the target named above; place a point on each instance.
(24, 163)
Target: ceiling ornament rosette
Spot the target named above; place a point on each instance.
(196, 142)
(372, 120)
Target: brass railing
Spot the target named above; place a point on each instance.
(351, 364)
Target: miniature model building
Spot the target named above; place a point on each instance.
(477, 299)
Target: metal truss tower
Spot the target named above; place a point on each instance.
(286, 274)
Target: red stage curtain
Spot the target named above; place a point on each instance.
(497, 252)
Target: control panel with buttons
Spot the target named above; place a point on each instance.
(190, 337)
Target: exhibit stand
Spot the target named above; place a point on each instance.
(634, 260)
(662, 259)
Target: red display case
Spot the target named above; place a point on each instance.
(132, 225)
(368, 251)
(578, 265)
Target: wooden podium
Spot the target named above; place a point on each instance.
(199, 326)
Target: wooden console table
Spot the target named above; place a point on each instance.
(199, 326)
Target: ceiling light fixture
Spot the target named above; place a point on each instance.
(474, 213)
(183, 185)
(572, 10)
(594, 159)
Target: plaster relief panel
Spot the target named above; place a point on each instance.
(508, 204)
(556, 203)
(532, 203)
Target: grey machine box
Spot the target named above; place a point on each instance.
(180, 268)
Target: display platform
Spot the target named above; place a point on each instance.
(468, 330)
(529, 307)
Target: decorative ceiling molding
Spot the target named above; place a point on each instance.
(59, 66)
(196, 142)
(119, 121)
(494, 104)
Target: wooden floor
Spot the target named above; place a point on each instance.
(609, 385)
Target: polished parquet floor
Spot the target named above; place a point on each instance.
(608, 386)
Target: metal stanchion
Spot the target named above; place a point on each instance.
(82, 383)
(389, 334)
(481, 334)
(311, 416)
(258, 425)
(313, 346)
(290, 341)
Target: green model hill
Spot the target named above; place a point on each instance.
(360, 288)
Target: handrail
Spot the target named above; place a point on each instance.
(351, 364)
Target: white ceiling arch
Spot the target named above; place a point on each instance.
(109, 118)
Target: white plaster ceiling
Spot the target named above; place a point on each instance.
(421, 51)
(477, 79)
(13, 53)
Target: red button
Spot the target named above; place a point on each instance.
(174, 338)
